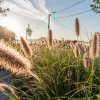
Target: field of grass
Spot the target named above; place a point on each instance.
(61, 72)
(49, 69)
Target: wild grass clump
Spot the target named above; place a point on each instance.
(11, 60)
(63, 75)
(65, 72)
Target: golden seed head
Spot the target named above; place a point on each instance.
(85, 60)
(11, 60)
(71, 45)
(98, 45)
(93, 47)
(77, 28)
(50, 37)
(76, 50)
(26, 48)
(7, 89)
(84, 48)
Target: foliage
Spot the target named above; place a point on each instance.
(96, 6)
(63, 76)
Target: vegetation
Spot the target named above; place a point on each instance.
(53, 70)
(96, 6)
(63, 71)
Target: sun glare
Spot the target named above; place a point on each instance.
(10, 23)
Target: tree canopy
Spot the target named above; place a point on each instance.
(96, 6)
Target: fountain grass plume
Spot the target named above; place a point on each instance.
(85, 60)
(71, 46)
(85, 49)
(77, 28)
(26, 47)
(7, 89)
(98, 45)
(12, 60)
(77, 50)
(93, 47)
(50, 37)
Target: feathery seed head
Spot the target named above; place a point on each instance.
(93, 47)
(26, 48)
(98, 45)
(85, 60)
(71, 45)
(50, 37)
(7, 89)
(11, 60)
(77, 28)
(76, 50)
(84, 48)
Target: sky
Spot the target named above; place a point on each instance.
(35, 13)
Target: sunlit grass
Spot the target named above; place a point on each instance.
(63, 76)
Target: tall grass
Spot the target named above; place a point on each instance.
(26, 48)
(64, 77)
(50, 39)
(77, 28)
(65, 74)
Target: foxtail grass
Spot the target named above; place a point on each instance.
(11, 60)
(63, 75)
(26, 48)
(85, 49)
(98, 45)
(7, 89)
(71, 45)
(77, 50)
(93, 47)
(50, 40)
(85, 60)
(77, 28)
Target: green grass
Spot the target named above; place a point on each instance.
(63, 77)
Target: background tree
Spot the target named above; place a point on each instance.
(3, 11)
(96, 6)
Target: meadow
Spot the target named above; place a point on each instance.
(52, 69)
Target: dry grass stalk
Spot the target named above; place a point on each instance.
(93, 47)
(77, 28)
(26, 48)
(54, 43)
(79, 49)
(85, 48)
(11, 60)
(85, 60)
(7, 89)
(50, 37)
(98, 45)
(76, 50)
(71, 46)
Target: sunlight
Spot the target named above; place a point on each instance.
(10, 23)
